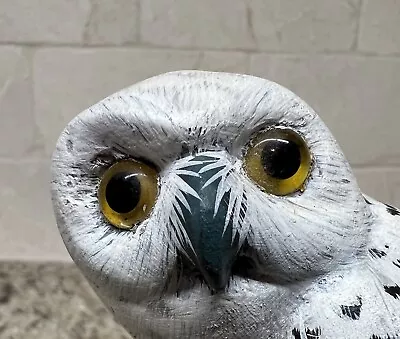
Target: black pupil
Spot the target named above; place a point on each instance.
(280, 158)
(123, 192)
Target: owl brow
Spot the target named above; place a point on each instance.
(104, 159)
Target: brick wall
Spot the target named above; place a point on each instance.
(58, 57)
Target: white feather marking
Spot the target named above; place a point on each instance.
(223, 172)
(179, 195)
(184, 187)
(211, 166)
(229, 182)
(221, 190)
(178, 209)
(188, 173)
(191, 163)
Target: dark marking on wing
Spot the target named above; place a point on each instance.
(122, 99)
(367, 201)
(388, 336)
(296, 333)
(313, 333)
(392, 210)
(70, 145)
(397, 264)
(376, 253)
(394, 291)
(345, 181)
(387, 246)
(352, 311)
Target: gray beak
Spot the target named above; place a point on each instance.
(214, 246)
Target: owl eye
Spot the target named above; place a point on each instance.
(127, 193)
(278, 160)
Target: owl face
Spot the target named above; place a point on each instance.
(197, 198)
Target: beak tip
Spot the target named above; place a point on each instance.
(216, 281)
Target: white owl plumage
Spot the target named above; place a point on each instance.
(321, 262)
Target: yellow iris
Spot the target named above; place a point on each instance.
(127, 193)
(278, 160)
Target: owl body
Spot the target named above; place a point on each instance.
(230, 247)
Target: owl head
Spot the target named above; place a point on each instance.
(196, 199)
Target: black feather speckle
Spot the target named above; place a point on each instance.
(185, 151)
(296, 333)
(392, 210)
(388, 336)
(375, 253)
(70, 145)
(352, 311)
(314, 333)
(367, 201)
(394, 291)
(397, 264)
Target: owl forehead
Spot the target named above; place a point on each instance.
(212, 100)
(167, 115)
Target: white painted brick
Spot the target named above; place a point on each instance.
(61, 21)
(27, 226)
(357, 97)
(380, 27)
(382, 184)
(113, 22)
(68, 81)
(374, 182)
(304, 25)
(193, 23)
(273, 25)
(18, 132)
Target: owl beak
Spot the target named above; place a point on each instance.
(213, 245)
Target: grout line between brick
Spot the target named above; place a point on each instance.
(139, 22)
(354, 47)
(146, 46)
(374, 167)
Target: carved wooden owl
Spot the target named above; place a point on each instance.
(211, 205)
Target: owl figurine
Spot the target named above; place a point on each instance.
(214, 205)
